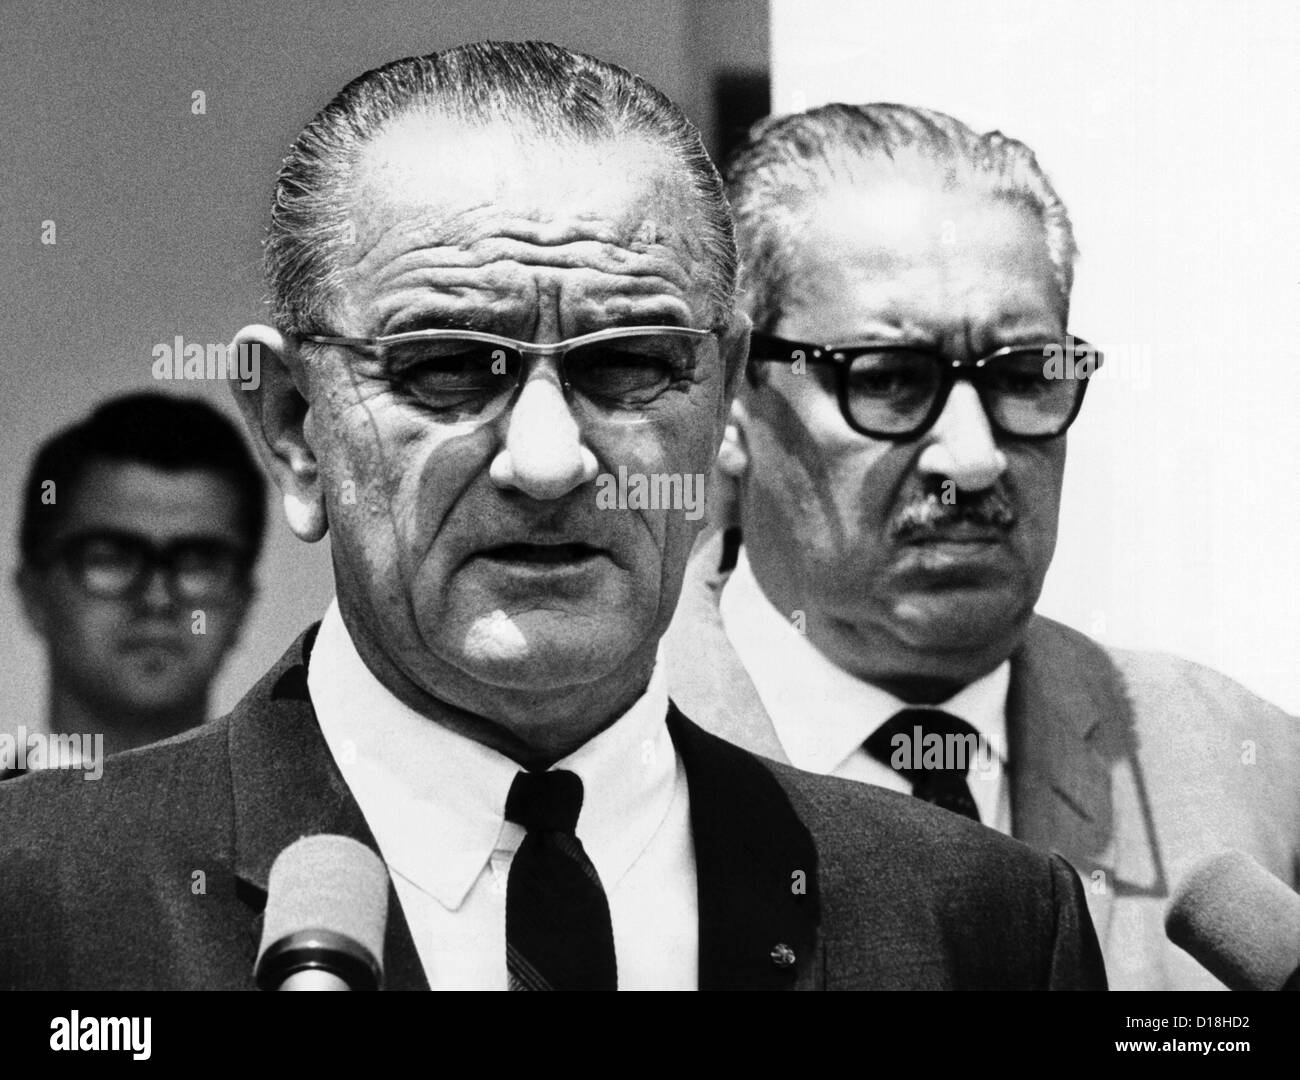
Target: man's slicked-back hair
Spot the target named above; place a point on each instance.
(166, 432)
(787, 162)
(537, 86)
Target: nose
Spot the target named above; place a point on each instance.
(962, 446)
(543, 454)
(155, 595)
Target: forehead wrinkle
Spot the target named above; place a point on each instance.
(655, 217)
(374, 262)
(925, 295)
(506, 276)
(558, 244)
(905, 322)
(616, 199)
(572, 293)
(411, 283)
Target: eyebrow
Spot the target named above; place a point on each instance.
(1011, 333)
(629, 319)
(433, 320)
(127, 536)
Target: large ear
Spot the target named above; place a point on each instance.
(729, 464)
(733, 454)
(275, 408)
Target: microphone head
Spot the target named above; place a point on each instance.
(326, 907)
(1238, 921)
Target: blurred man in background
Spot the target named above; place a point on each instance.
(141, 526)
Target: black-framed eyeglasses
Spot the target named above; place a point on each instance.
(897, 392)
(113, 565)
(471, 376)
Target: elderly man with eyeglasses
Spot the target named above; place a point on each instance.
(897, 455)
(141, 527)
(501, 273)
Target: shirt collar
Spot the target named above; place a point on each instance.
(821, 713)
(435, 799)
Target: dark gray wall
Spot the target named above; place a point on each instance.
(159, 211)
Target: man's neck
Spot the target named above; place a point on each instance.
(122, 730)
(533, 729)
(920, 690)
(919, 678)
(876, 656)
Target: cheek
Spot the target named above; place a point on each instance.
(681, 451)
(219, 630)
(823, 489)
(390, 481)
(1035, 475)
(363, 439)
(81, 624)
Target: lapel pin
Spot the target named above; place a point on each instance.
(782, 955)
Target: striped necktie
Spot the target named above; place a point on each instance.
(558, 931)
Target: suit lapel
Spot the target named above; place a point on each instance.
(752, 853)
(1060, 785)
(286, 786)
(1070, 731)
(708, 679)
(1076, 782)
(749, 842)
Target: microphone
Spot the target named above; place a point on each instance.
(326, 911)
(1239, 922)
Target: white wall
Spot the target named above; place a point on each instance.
(1171, 128)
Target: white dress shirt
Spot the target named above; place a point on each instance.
(435, 801)
(823, 715)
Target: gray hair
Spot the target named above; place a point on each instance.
(786, 161)
(559, 92)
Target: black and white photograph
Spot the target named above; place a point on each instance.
(652, 495)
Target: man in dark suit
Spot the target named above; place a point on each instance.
(503, 275)
(898, 495)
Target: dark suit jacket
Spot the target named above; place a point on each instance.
(1133, 765)
(155, 875)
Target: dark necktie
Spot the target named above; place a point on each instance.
(934, 751)
(558, 931)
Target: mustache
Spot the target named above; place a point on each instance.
(931, 514)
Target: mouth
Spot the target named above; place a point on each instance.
(542, 554)
(959, 556)
(153, 643)
(960, 534)
(153, 657)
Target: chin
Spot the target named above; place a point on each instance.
(540, 653)
(970, 623)
(540, 671)
(145, 702)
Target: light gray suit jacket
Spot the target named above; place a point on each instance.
(1132, 765)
